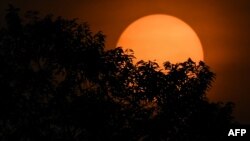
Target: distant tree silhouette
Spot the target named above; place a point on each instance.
(58, 83)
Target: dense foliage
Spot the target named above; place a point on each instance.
(58, 83)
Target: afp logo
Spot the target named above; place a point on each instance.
(237, 132)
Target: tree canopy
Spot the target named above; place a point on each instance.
(59, 83)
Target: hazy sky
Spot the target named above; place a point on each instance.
(223, 27)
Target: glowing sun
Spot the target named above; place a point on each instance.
(161, 38)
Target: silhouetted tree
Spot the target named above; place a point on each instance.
(58, 83)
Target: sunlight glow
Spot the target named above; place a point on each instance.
(161, 38)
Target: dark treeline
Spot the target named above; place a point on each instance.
(59, 84)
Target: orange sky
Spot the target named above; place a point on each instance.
(222, 25)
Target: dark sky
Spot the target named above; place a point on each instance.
(223, 27)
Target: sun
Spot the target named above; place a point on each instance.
(161, 38)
